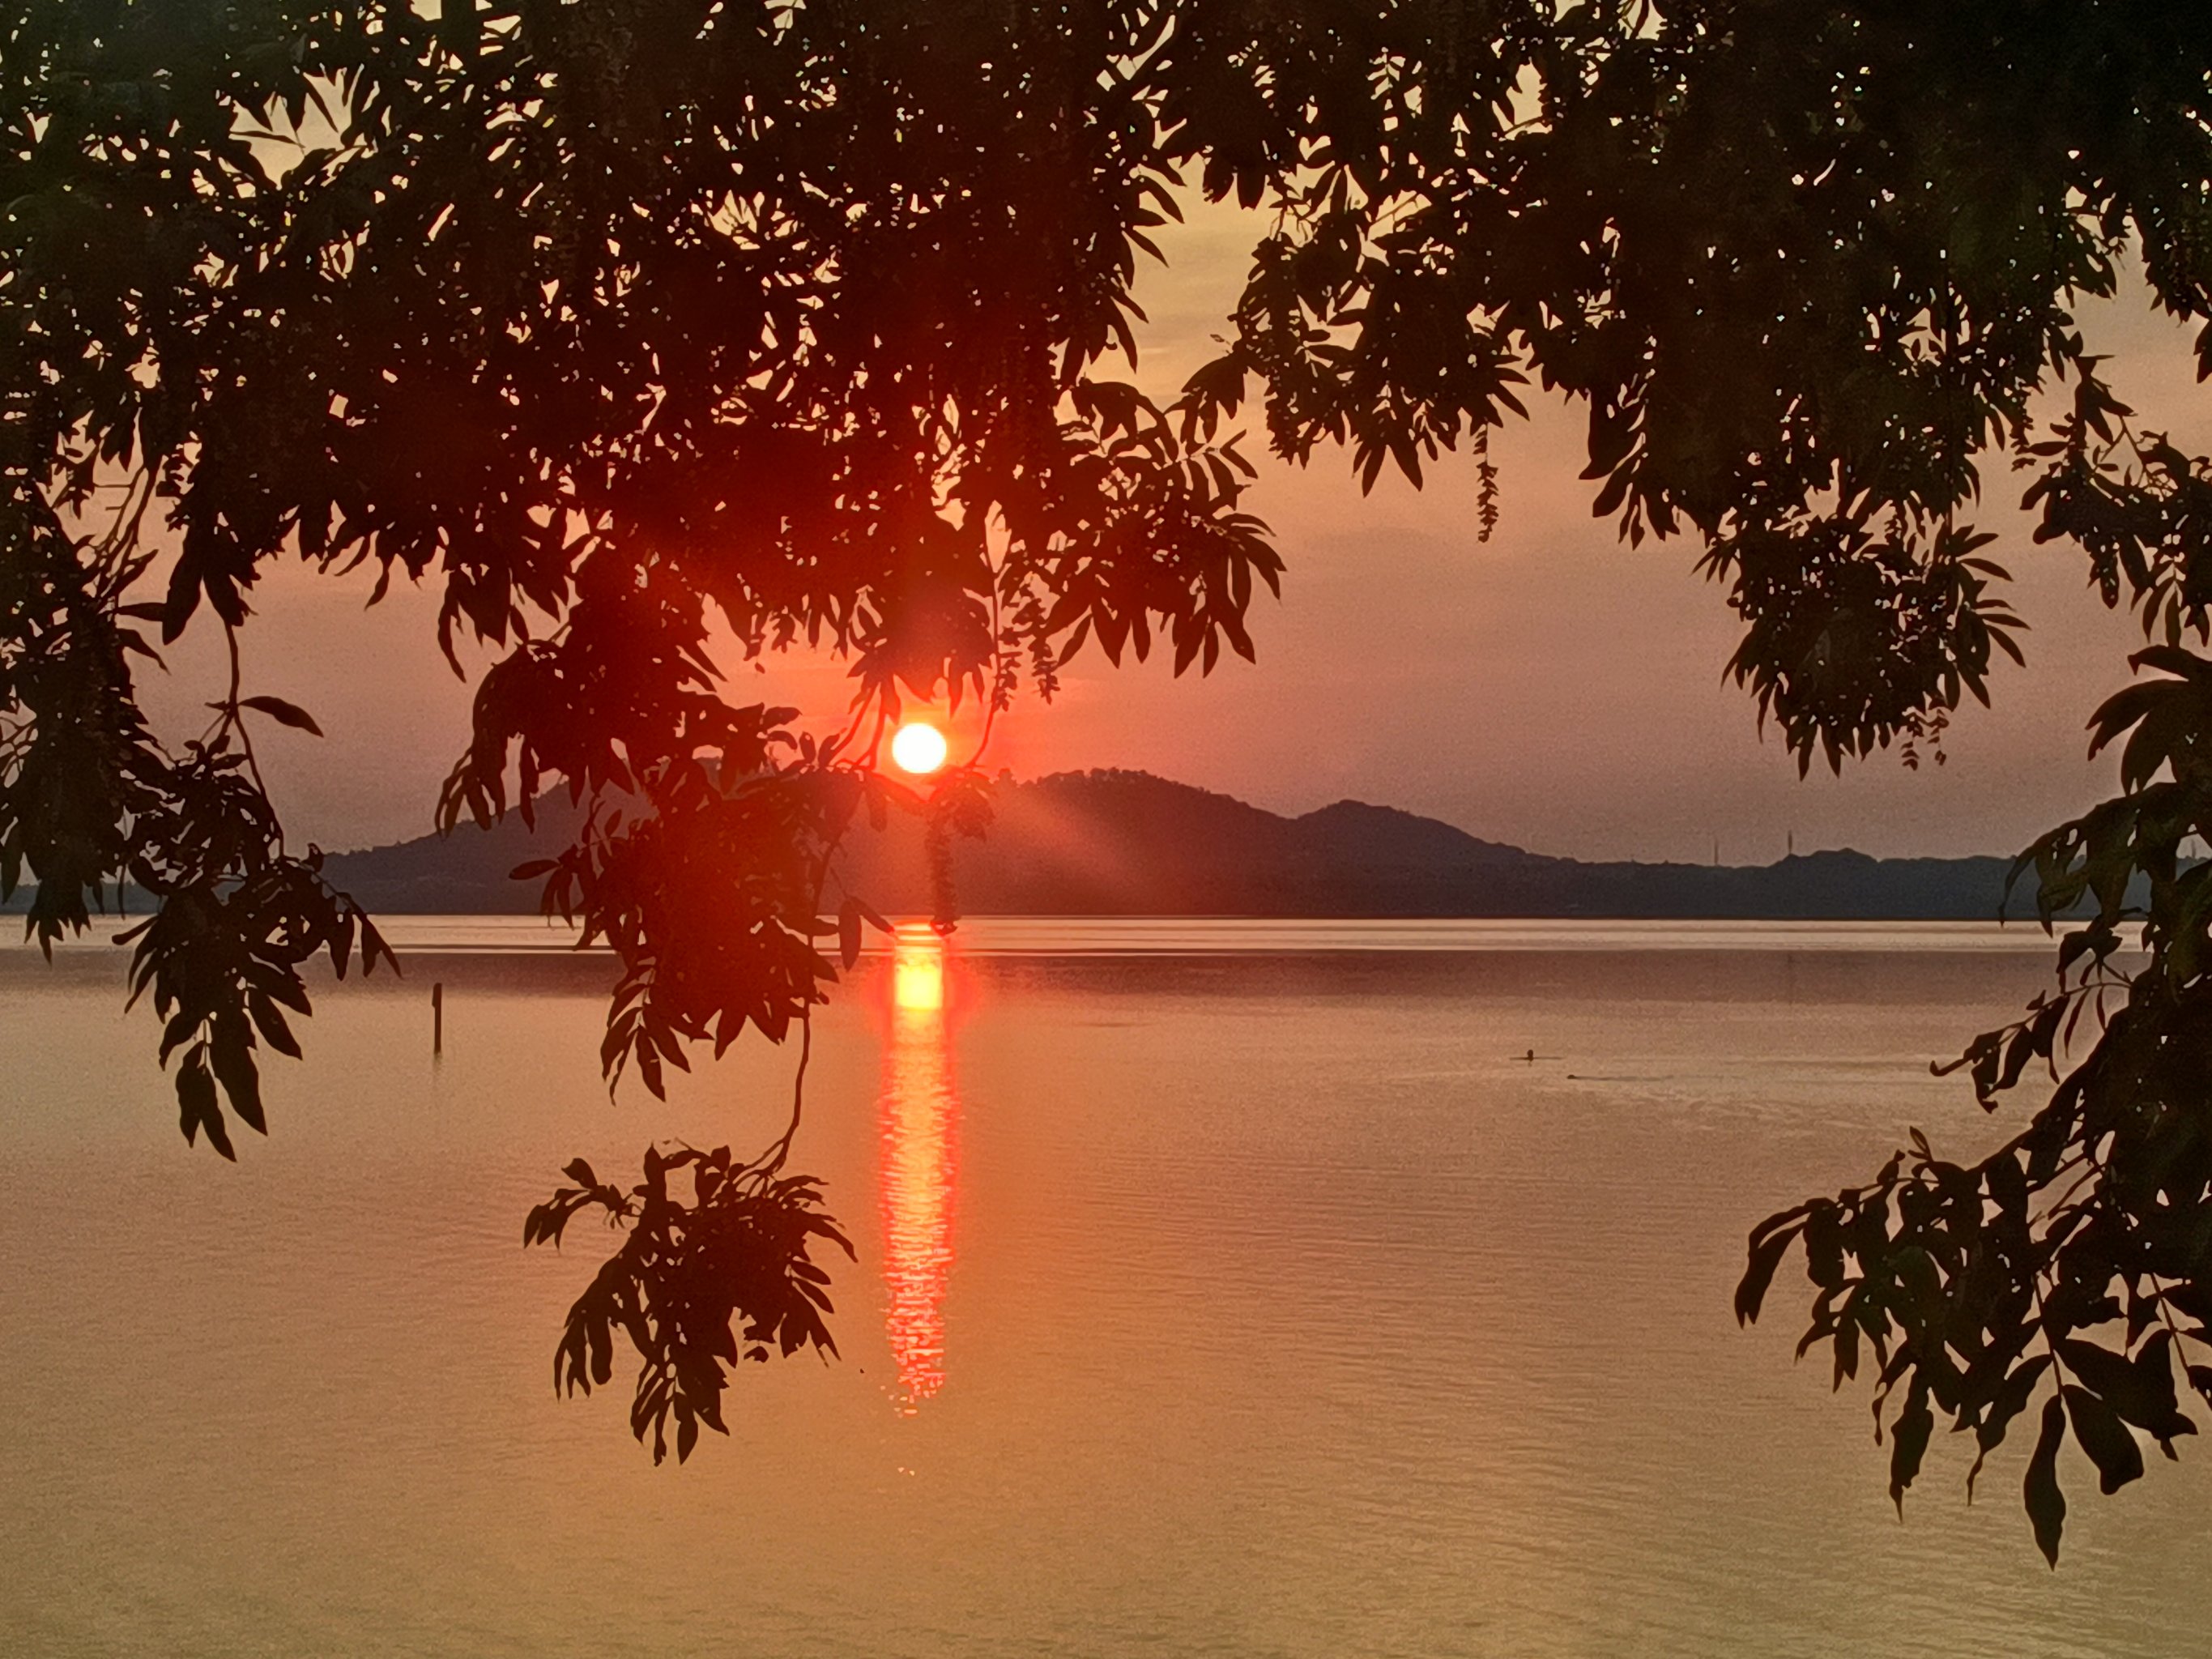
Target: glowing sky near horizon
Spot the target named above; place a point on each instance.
(1553, 689)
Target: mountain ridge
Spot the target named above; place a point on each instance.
(1119, 842)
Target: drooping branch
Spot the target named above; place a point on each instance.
(2076, 1261)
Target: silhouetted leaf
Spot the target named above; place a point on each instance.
(196, 1104)
(284, 713)
(2098, 1427)
(2047, 1505)
(1768, 1240)
(1908, 1436)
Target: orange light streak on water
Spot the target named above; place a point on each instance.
(919, 1167)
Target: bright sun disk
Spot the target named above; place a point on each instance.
(918, 748)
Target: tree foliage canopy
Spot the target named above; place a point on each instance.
(619, 318)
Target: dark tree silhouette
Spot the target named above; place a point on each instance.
(606, 315)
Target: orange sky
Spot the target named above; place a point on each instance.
(1553, 689)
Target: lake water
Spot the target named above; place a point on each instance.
(1223, 1288)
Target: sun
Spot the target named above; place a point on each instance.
(918, 748)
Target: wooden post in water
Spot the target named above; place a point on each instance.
(437, 1018)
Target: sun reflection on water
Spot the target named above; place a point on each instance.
(920, 1164)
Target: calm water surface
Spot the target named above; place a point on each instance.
(1223, 1289)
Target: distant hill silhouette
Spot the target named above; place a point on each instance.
(1127, 843)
